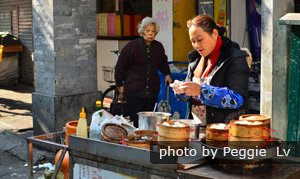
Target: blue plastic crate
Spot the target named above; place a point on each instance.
(178, 109)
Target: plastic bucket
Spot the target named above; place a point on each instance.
(70, 129)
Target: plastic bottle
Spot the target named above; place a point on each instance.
(81, 129)
(98, 105)
(98, 108)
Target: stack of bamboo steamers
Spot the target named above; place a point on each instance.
(249, 127)
(174, 134)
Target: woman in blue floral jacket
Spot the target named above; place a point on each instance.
(217, 80)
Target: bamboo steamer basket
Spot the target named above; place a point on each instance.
(244, 139)
(265, 119)
(245, 130)
(174, 133)
(164, 142)
(245, 135)
(174, 137)
(242, 142)
(140, 144)
(213, 134)
(149, 133)
(146, 144)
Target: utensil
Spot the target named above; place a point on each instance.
(168, 98)
(154, 109)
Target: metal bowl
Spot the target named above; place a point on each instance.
(148, 120)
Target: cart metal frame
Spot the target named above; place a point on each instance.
(48, 141)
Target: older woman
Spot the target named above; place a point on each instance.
(217, 80)
(136, 70)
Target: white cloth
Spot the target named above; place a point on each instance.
(9, 70)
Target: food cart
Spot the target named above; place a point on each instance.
(132, 162)
(89, 158)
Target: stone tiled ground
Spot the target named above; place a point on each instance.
(15, 127)
(15, 108)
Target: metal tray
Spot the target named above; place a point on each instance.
(80, 147)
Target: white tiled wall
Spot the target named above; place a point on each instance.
(107, 58)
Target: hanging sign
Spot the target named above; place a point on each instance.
(162, 11)
(206, 7)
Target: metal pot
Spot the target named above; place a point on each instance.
(149, 120)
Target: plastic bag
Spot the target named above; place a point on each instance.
(97, 118)
(115, 119)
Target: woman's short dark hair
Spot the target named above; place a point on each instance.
(206, 23)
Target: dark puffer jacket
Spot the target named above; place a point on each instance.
(132, 67)
(233, 73)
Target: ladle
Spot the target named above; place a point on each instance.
(154, 109)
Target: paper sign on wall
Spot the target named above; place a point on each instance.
(162, 11)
